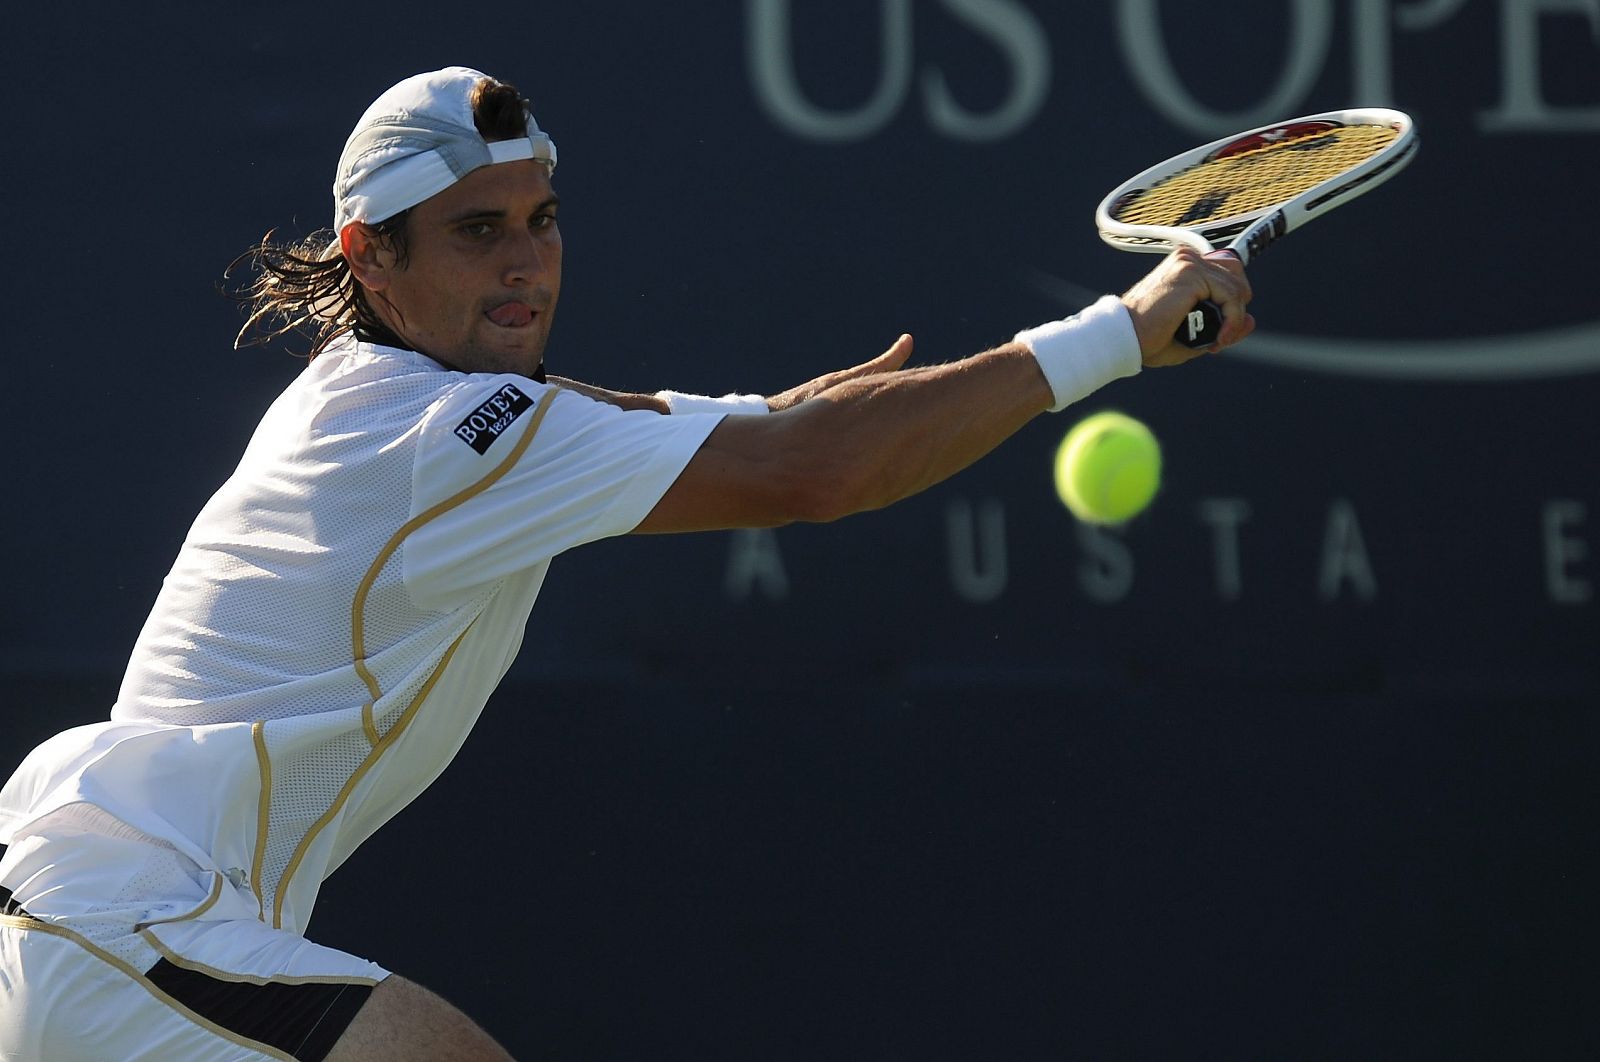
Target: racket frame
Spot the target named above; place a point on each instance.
(1248, 234)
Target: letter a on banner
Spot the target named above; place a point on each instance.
(755, 566)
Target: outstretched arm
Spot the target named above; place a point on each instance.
(873, 439)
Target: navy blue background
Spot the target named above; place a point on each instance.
(872, 819)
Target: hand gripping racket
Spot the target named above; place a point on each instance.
(1242, 193)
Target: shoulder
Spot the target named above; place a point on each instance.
(478, 410)
(483, 420)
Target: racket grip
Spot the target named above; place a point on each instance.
(1201, 326)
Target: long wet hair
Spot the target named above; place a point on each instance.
(305, 287)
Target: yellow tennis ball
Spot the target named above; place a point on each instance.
(1108, 468)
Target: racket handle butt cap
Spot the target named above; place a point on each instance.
(1200, 326)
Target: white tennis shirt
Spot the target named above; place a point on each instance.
(342, 609)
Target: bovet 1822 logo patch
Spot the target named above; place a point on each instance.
(489, 421)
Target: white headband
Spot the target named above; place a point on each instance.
(416, 140)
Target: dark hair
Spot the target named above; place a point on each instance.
(306, 287)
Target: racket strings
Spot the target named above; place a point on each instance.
(1255, 180)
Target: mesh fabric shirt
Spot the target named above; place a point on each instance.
(342, 609)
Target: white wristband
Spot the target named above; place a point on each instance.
(677, 402)
(1086, 351)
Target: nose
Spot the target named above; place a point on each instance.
(530, 257)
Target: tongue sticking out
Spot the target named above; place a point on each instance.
(511, 315)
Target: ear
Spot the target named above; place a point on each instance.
(370, 261)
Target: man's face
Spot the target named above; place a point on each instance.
(479, 289)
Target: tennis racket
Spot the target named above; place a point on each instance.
(1245, 192)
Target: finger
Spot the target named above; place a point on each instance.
(1224, 268)
(888, 361)
(1230, 289)
(1227, 259)
(1234, 327)
(898, 354)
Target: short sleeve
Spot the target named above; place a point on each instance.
(510, 472)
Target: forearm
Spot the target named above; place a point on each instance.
(867, 441)
(917, 428)
(884, 438)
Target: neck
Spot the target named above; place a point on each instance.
(384, 336)
(380, 334)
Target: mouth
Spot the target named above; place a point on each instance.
(511, 314)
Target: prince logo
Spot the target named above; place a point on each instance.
(489, 421)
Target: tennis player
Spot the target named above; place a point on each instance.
(344, 605)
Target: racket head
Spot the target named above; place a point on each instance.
(1304, 167)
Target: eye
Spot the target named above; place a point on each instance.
(476, 230)
(541, 221)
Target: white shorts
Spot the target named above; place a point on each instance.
(266, 994)
(99, 981)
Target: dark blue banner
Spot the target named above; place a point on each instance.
(954, 779)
